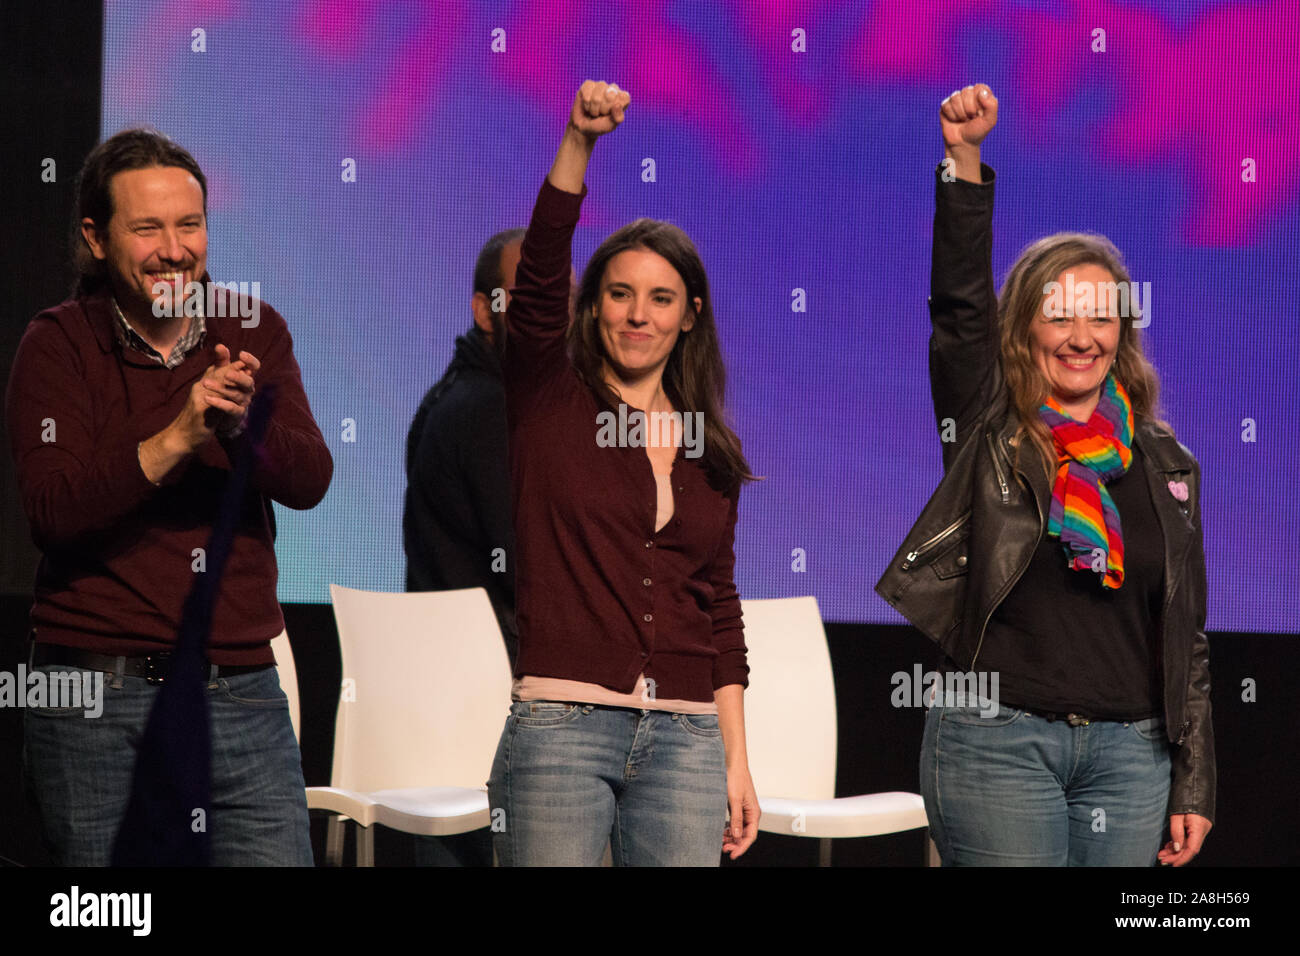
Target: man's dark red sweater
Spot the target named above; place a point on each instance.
(119, 554)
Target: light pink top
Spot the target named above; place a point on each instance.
(581, 692)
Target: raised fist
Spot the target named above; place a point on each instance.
(967, 115)
(598, 108)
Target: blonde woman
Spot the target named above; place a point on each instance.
(1062, 552)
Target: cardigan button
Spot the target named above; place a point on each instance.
(645, 581)
(649, 544)
(648, 618)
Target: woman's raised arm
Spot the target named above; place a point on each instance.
(965, 118)
(963, 304)
(538, 315)
(597, 109)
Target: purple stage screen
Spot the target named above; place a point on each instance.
(796, 144)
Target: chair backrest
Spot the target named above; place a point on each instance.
(790, 719)
(426, 689)
(288, 676)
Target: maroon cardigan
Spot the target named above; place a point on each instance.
(117, 552)
(601, 596)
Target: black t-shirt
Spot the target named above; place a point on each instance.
(1062, 643)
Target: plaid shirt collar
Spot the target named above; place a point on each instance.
(188, 342)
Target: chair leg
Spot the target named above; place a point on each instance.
(824, 851)
(334, 840)
(365, 846)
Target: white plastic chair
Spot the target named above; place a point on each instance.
(426, 687)
(792, 761)
(283, 652)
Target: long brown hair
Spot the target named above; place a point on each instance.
(694, 378)
(1021, 300)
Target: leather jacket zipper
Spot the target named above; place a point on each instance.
(913, 557)
(1006, 589)
(997, 467)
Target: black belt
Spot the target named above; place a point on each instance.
(1074, 720)
(1078, 720)
(152, 667)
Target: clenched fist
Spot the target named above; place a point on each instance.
(598, 108)
(967, 115)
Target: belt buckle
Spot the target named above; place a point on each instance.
(1076, 720)
(155, 666)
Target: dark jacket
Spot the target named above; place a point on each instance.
(457, 509)
(979, 530)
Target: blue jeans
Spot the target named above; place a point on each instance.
(567, 778)
(80, 771)
(1015, 789)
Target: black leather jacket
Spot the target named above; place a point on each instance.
(977, 533)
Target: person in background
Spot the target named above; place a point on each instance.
(456, 527)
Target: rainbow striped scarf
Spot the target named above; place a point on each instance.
(1088, 455)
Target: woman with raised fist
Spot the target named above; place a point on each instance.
(627, 722)
(1059, 564)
